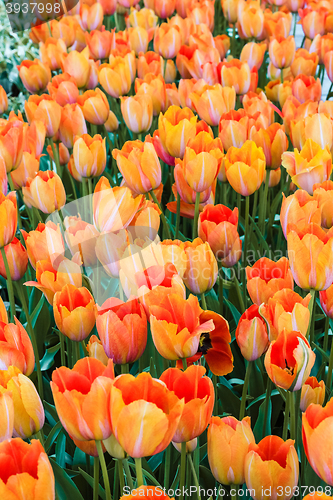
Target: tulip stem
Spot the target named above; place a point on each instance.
(10, 286)
(167, 467)
(329, 373)
(96, 478)
(124, 368)
(220, 286)
(177, 217)
(286, 417)
(311, 327)
(139, 475)
(182, 470)
(121, 477)
(263, 207)
(165, 222)
(233, 487)
(31, 332)
(203, 301)
(244, 392)
(233, 40)
(195, 477)
(104, 470)
(184, 363)
(246, 238)
(128, 473)
(196, 216)
(267, 400)
(327, 325)
(62, 349)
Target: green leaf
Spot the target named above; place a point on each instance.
(234, 311)
(90, 480)
(260, 236)
(259, 431)
(229, 401)
(52, 436)
(60, 450)
(48, 357)
(65, 486)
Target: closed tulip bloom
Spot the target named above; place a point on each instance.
(51, 280)
(230, 10)
(251, 334)
(76, 65)
(326, 301)
(233, 129)
(82, 397)
(253, 102)
(270, 465)
(91, 17)
(74, 312)
(245, 168)
(317, 127)
(154, 86)
(250, 19)
(95, 106)
(81, 237)
(312, 392)
(96, 350)
(282, 51)
(8, 218)
(138, 39)
(3, 312)
(99, 43)
(211, 102)
(11, 144)
(29, 414)
(299, 209)
(115, 77)
(122, 328)
(306, 88)
(176, 127)
(253, 54)
(286, 309)
(7, 419)
(63, 89)
(266, 277)
(89, 154)
(111, 124)
(137, 112)
(236, 74)
(64, 156)
(16, 348)
(149, 492)
(28, 473)
(145, 18)
(17, 259)
(43, 108)
(72, 123)
(304, 63)
(45, 192)
(198, 392)
(46, 240)
(228, 441)
(310, 256)
(51, 52)
(167, 40)
(200, 167)
(147, 220)
(201, 266)
(176, 328)
(35, 75)
(273, 142)
(328, 62)
(317, 432)
(3, 100)
(313, 21)
(113, 208)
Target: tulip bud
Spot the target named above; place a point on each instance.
(96, 350)
(312, 392)
(17, 259)
(251, 334)
(35, 75)
(8, 218)
(45, 192)
(201, 266)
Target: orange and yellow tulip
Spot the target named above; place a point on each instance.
(3, 100)
(313, 21)
(91, 17)
(89, 155)
(323, 194)
(250, 20)
(201, 267)
(176, 127)
(72, 123)
(99, 43)
(51, 53)
(228, 441)
(7, 420)
(11, 144)
(233, 129)
(17, 259)
(63, 89)
(312, 392)
(306, 88)
(253, 53)
(251, 334)
(44, 242)
(273, 141)
(153, 410)
(266, 277)
(82, 398)
(43, 108)
(96, 350)
(137, 112)
(211, 102)
(95, 106)
(45, 192)
(253, 102)
(299, 209)
(202, 160)
(167, 40)
(111, 124)
(326, 301)
(282, 51)
(236, 74)
(115, 77)
(16, 348)
(155, 86)
(305, 63)
(35, 75)
(8, 218)
(76, 65)
(81, 237)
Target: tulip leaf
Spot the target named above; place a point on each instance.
(147, 475)
(90, 481)
(259, 430)
(60, 450)
(52, 436)
(48, 358)
(260, 236)
(51, 413)
(311, 479)
(65, 486)
(229, 401)
(234, 311)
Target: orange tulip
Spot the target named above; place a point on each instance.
(146, 221)
(7, 420)
(304, 63)
(153, 410)
(299, 209)
(8, 218)
(89, 154)
(176, 127)
(95, 106)
(3, 100)
(211, 102)
(65, 29)
(111, 124)
(277, 23)
(34, 75)
(202, 159)
(270, 465)
(115, 77)
(52, 279)
(155, 87)
(43, 108)
(230, 10)
(137, 112)
(64, 156)
(317, 127)
(282, 51)
(175, 326)
(233, 129)
(267, 277)
(99, 43)
(317, 431)
(51, 53)
(16, 348)
(306, 88)
(82, 398)
(44, 243)
(63, 89)
(251, 334)
(76, 65)
(286, 309)
(245, 168)
(167, 40)
(138, 40)
(72, 123)
(273, 141)
(236, 74)
(198, 391)
(164, 9)
(45, 192)
(96, 350)
(312, 392)
(91, 17)
(253, 102)
(11, 144)
(228, 441)
(201, 266)
(253, 54)
(313, 21)
(250, 19)
(149, 492)
(29, 414)
(326, 301)
(145, 18)
(28, 473)
(81, 237)
(74, 312)
(122, 328)
(17, 259)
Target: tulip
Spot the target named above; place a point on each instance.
(96, 350)
(286, 309)
(74, 312)
(45, 192)
(149, 492)
(81, 237)
(91, 16)
(43, 108)
(201, 266)
(233, 129)
(317, 127)
(51, 280)
(110, 248)
(3, 100)
(310, 256)
(3, 312)
(313, 22)
(44, 242)
(317, 430)
(138, 40)
(137, 112)
(64, 156)
(89, 154)
(122, 328)
(95, 106)
(146, 221)
(253, 54)
(230, 10)
(250, 19)
(253, 103)
(304, 63)
(51, 53)
(306, 88)
(175, 326)
(326, 301)
(17, 259)
(72, 123)
(8, 218)
(328, 60)
(153, 410)
(167, 40)
(155, 87)
(236, 74)
(228, 441)
(299, 209)
(282, 51)
(272, 465)
(16, 348)
(266, 277)
(76, 65)
(111, 124)
(63, 89)
(115, 77)
(176, 127)
(312, 392)
(28, 473)
(201, 162)
(7, 420)
(65, 30)
(211, 102)
(82, 398)
(245, 168)
(251, 334)
(273, 141)
(99, 43)
(11, 144)
(35, 75)
(164, 9)
(28, 409)
(198, 391)
(145, 18)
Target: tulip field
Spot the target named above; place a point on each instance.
(166, 250)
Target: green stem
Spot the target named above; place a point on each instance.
(310, 332)
(244, 392)
(220, 286)
(281, 76)
(104, 471)
(255, 204)
(128, 473)
(77, 351)
(239, 295)
(96, 478)
(292, 415)
(295, 23)
(31, 332)
(264, 204)
(124, 368)
(196, 216)
(267, 400)
(246, 237)
(10, 286)
(164, 221)
(327, 325)
(139, 475)
(39, 435)
(182, 470)
(233, 39)
(233, 496)
(167, 467)
(121, 477)
(62, 349)
(203, 302)
(329, 373)
(286, 417)
(177, 217)
(297, 401)
(184, 363)
(216, 403)
(116, 480)
(195, 477)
